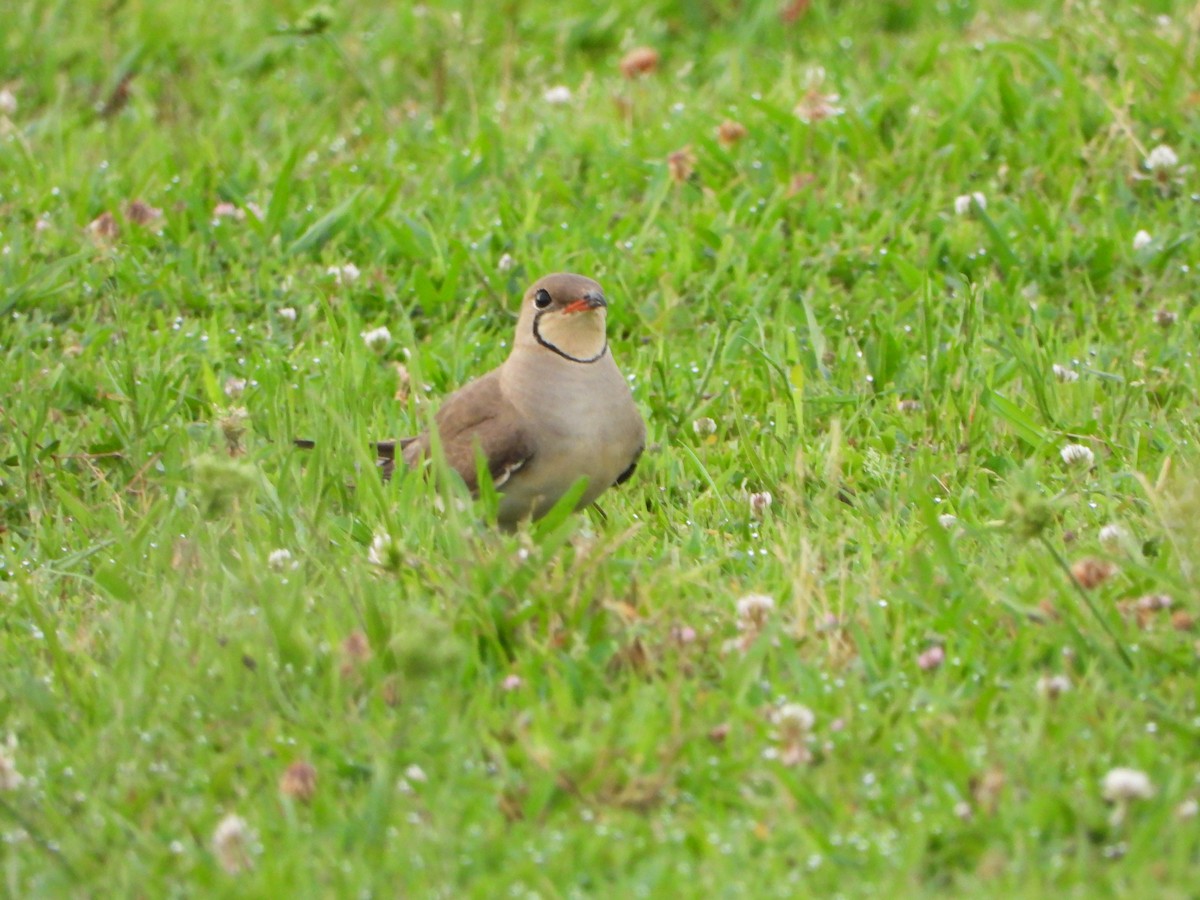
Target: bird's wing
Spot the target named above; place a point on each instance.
(474, 419)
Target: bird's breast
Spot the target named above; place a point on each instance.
(583, 422)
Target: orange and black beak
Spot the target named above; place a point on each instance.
(590, 300)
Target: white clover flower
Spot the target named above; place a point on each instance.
(931, 659)
(1188, 809)
(377, 339)
(1127, 784)
(280, 559)
(947, 520)
(1161, 157)
(385, 553)
(1078, 455)
(226, 210)
(8, 102)
(288, 314)
(760, 502)
(1053, 686)
(964, 202)
(753, 610)
(1122, 786)
(795, 723)
(558, 95)
(1142, 239)
(378, 553)
(1112, 536)
(817, 104)
(416, 773)
(231, 842)
(1063, 374)
(234, 387)
(255, 210)
(794, 719)
(505, 263)
(345, 274)
(10, 778)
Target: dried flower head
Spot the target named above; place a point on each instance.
(639, 61)
(1165, 318)
(1053, 686)
(299, 781)
(1161, 157)
(1078, 455)
(704, 426)
(797, 184)
(141, 213)
(231, 843)
(793, 11)
(987, 788)
(681, 164)
(817, 104)
(377, 339)
(233, 429)
(964, 203)
(1154, 602)
(760, 502)
(356, 649)
(908, 405)
(559, 95)
(931, 659)
(1091, 572)
(1063, 374)
(104, 228)
(1142, 240)
(730, 132)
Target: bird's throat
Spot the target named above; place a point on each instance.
(578, 337)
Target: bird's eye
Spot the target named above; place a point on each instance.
(541, 299)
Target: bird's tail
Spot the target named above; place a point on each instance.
(385, 452)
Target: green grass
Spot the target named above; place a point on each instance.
(803, 288)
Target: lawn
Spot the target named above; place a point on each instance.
(901, 601)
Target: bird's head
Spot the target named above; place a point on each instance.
(564, 314)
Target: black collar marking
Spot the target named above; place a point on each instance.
(549, 346)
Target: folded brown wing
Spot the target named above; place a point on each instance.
(475, 419)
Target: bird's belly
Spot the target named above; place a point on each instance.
(598, 444)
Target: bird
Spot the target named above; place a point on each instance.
(556, 410)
